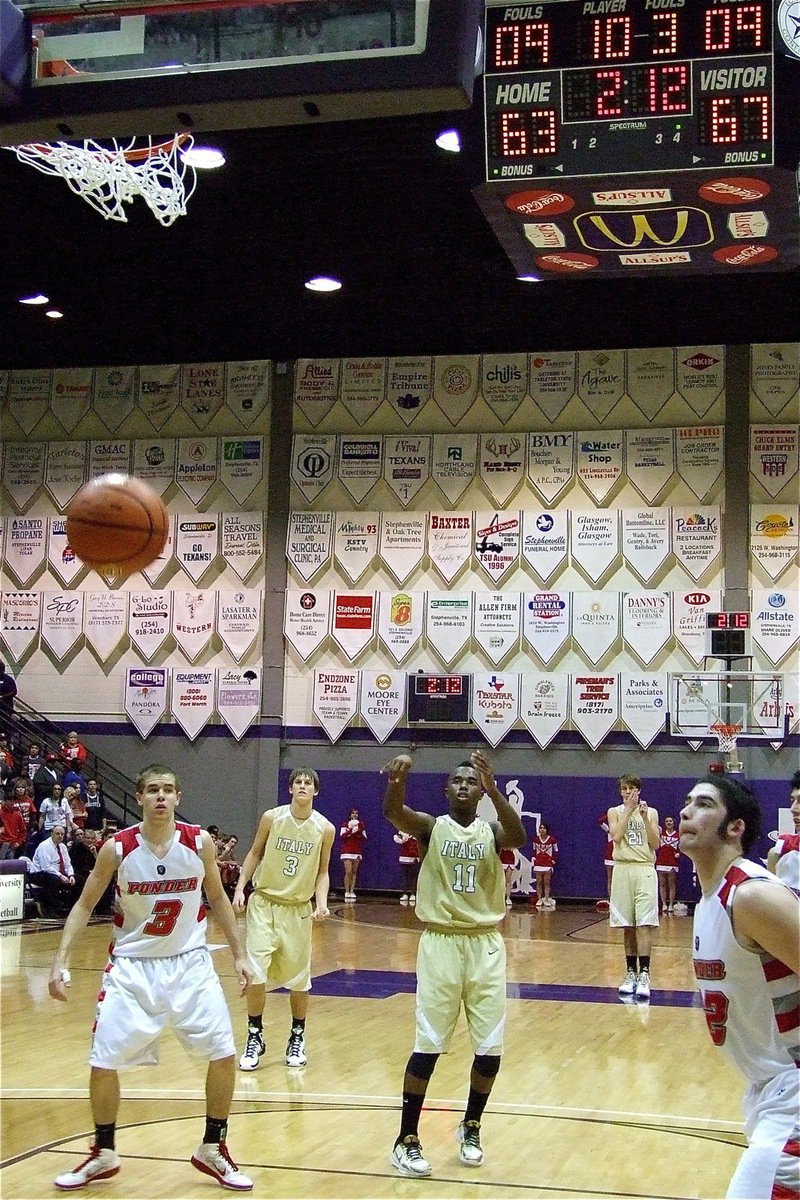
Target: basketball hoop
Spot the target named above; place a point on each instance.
(726, 737)
(108, 178)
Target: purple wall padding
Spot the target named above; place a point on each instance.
(15, 54)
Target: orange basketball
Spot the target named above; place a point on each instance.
(117, 522)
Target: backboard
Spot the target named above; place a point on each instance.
(699, 700)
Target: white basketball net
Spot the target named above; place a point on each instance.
(726, 737)
(110, 177)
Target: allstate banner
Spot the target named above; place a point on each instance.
(239, 698)
(192, 699)
(145, 697)
(775, 622)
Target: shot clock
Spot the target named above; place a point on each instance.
(727, 634)
(438, 699)
(584, 87)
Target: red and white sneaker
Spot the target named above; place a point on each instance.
(101, 1164)
(213, 1159)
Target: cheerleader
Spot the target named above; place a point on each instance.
(667, 860)
(545, 851)
(408, 857)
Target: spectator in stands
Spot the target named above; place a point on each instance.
(6, 752)
(23, 800)
(74, 777)
(54, 874)
(72, 750)
(7, 771)
(55, 810)
(8, 690)
(49, 773)
(34, 760)
(83, 854)
(77, 806)
(13, 829)
(95, 805)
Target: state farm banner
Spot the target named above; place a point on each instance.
(355, 542)
(700, 376)
(599, 462)
(551, 382)
(497, 542)
(409, 386)
(775, 374)
(400, 621)
(239, 620)
(62, 621)
(454, 463)
(496, 623)
(335, 700)
(360, 464)
(595, 623)
(159, 392)
(202, 391)
(651, 379)
(696, 538)
(109, 455)
(65, 470)
(401, 542)
(248, 388)
(774, 536)
(25, 548)
(700, 457)
(193, 617)
(448, 623)
(23, 471)
(544, 705)
(20, 616)
(545, 542)
(406, 464)
(114, 396)
(551, 463)
(504, 383)
(156, 571)
(105, 621)
(192, 699)
(196, 469)
(28, 397)
(313, 462)
(242, 541)
(154, 462)
(309, 538)
(316, 387)
(449, 542)
(501, 464)
(774, 456)
(455, 384)
(241, 465)
(62, 559)
(383, 701)
(494, 704)
(649, 460)
(601, 380)
(353, 624)
(149, 621)
(363, 387)
(145, 697)
(644, 705)
(775, 628)
(594, 706)
(239, 698)
(689, 609)
(594, 539)
(70, 395)
(645, 540)
(306, 620)
(196, 543)
(646, 623)
(546, 622)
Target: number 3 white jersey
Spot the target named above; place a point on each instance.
(160, 909)
(751, 1000)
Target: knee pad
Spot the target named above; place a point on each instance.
(486, 1065)
(421, 1065)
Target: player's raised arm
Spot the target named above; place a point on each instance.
(395, 809)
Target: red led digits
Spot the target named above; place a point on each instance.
(738, 29)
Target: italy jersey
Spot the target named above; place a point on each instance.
(160, 909)
(634, 847)
(290, 864)
(461, 884)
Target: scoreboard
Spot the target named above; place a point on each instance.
(598, 87)
(728, 635)
(438, 699)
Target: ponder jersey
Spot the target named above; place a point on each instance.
(160, 909)
(289, 867)
(788, 865)
(461, 884)
(751, 1000)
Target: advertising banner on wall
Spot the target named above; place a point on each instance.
(645, 540)
(449, 542)
(192, 700)
(363, 387)
(70, 395)
(551, 383)
(248, 386)
(774, 530)
(448, 623)
(306, 620)
(239, 698)
(196, 468)
(546, 622)
(775, 627)
(494, 704)
(383, 701)
(193, 618)
(400, 620)
(239, 620)
(646, 623)
(496, 623)
(313, 463)
(65, 470)
(109, 455)
(454, 463)
(196, 543)
(501, 464)
(355, 542)
(149, 621)
(651, 379)
(406, 464)
(20, 615)
(154, 462)
(353, 623)
(551, 463)
(700, 376)
(455, 384)
(545, 542)
(689, 609)
(335, 700)
(159, 392)
(700, 457)
(595, 623)
(242, 541)
(598, 460)
(241, 466)
(544, 705)
(360, 464)
(25, 547)
(775, 374)
(649, 460)
(105, 621)
(156, 571)
(644, 705)
(309, 537)
(145, 697)
(62, 621)
(601, 380)
(696, 538)
(62, 559)
(409, 386)
(316, 387)
(504, 383)
(401, 542)
(594, 538)
(594, 706)
(497, 541)
(774, 456)
(23, 471)
(29, 397)
(202, 391)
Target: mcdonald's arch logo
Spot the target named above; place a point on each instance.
(652, 229)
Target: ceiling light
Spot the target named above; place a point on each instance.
(203, 158)
(54, 314)
(450, 140)
(36, 298)
(529, 279)
(323, 283)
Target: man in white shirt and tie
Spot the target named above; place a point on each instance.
(53, 872)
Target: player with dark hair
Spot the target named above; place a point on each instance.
(747, 963)
(461, 958)
(784, 857)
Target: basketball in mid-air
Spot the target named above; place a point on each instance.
(117, 523)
